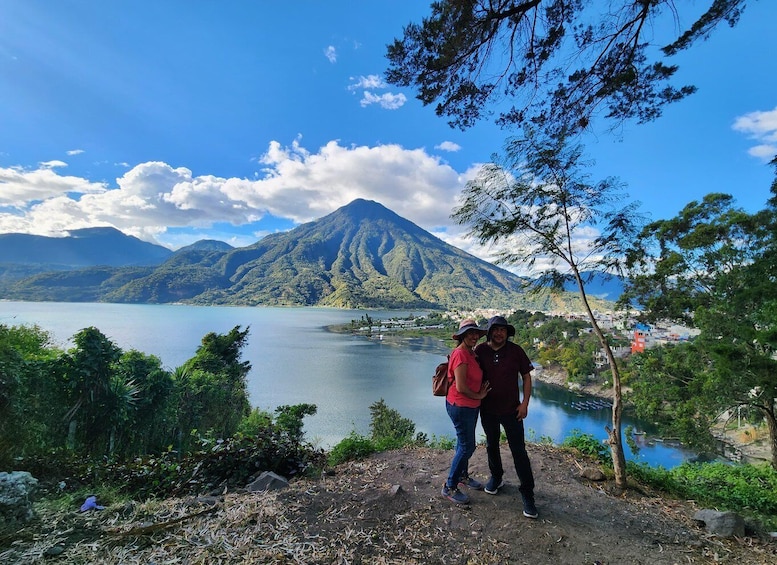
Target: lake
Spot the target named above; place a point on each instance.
(296, 360)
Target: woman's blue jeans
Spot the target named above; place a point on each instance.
(464, 421)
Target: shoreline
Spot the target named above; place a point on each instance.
(557, 377)
(745, 446)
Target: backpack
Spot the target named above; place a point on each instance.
(440, 381)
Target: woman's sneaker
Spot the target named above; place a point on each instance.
(493, 485)
(454, 495)
(469, 482)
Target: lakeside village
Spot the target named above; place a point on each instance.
(745, 442)
(621, 325)
(634, 337)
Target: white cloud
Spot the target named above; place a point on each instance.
(331, 53)
(303, 185)
(763, 152)
(388, 100)
(52, 164)
(20, 187)
(448, 146)
(74, 152)
(370, 81)
(294, 183)
(762, 127)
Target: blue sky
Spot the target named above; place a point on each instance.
(182, 120)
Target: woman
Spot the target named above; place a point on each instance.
(463, 403)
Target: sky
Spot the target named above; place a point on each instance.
(178, 120)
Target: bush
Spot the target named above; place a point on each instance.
(588, 445)
(388, 424)
(351, 448)
(213, 463)
(746, 489)
(389, 430)
(218, 464)
(442, 442)
(735, 486)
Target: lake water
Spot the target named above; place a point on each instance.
(295, 360)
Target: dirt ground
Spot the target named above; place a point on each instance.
(388, 509)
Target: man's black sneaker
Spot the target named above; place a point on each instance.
(493, 485)
(529, 509)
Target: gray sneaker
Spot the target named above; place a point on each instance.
(469, 482)
(454, 495)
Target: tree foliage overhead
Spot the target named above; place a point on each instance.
(554, 63)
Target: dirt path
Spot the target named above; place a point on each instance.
(387, 509)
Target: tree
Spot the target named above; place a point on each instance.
(713, 267)
(389, 426)
(149, 426)
(668, 388)
(538, 205)
(28, 395)
(211, 387)
(99, 400)
(553, 63)
(288, 420)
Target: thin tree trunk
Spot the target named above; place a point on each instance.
(771, 421)
(615, 438)
(71, 434)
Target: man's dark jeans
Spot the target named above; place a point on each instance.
(515, 439)
(465, 421)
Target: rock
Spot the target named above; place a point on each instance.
(396, 489)
(16, 490)
(54, 551)
(267, 481)
(203, 501)
(592, 474)
(723, 524)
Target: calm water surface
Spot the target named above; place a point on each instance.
(295, 360)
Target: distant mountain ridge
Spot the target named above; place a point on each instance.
(362, 255)
(86, 247)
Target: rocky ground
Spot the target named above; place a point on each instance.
(387, 509)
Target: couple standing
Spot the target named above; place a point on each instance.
(488, 379)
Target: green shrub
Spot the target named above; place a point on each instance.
(737, 486)
(442, 442)
(750, 490)
(388, 424)
(351, 448)
(256, 420)
(587, 445)
(212, 463)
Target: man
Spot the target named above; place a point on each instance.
(505, 365)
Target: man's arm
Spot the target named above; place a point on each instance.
(523, 407)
